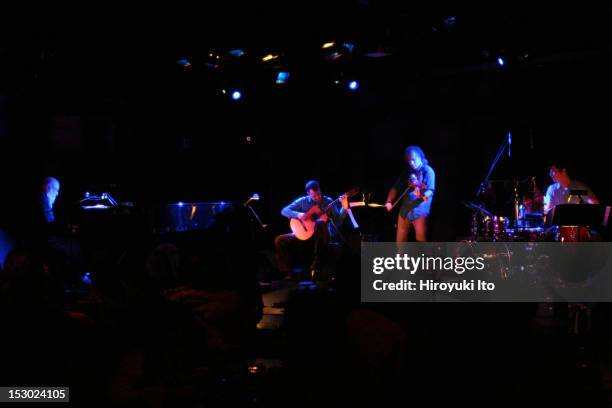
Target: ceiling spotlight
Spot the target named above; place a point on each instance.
(450, 21)
(282, 77)
(184, 63)
(236, 95)
(269, 57)
(349, 46)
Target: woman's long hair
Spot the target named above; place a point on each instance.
(417, 150)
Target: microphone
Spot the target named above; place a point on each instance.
(509, 144)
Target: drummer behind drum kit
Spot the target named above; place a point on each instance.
(529, 223)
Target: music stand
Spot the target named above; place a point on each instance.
(579, 194)
(579, 215)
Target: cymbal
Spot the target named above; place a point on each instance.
(479, 208)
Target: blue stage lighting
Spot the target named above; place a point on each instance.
(185, 63)
(86, 279)
(282, 78)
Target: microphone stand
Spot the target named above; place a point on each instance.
(483, 185)
(485, 182)
(247, 204)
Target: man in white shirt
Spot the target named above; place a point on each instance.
(559, 192)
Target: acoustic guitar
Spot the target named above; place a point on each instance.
(304, 229)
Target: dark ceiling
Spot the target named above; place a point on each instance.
(103, 45)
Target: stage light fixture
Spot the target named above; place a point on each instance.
(185, 63)
(450, 21)
(282, 77)
(348, 46)
(269, 57)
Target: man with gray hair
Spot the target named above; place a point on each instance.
(61, 251)
(49, 192)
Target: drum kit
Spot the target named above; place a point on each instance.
(527, 224)
(525, 202)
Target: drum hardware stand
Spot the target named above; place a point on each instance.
(474, 225)
(516, 207)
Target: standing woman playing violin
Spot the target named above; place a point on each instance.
(413, 192)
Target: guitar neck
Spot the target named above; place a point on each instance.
(330, 205)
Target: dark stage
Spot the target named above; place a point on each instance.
(147, 157)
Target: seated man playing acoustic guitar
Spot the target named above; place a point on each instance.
(310, 207)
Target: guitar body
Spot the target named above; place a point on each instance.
(305, 229)
(302, 229)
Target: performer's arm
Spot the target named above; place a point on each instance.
(398, 186)
(591, 198)
(48, 214)
(391, 196)
(294, 210)
(548, 205)
(339, 210)
(429, 182)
